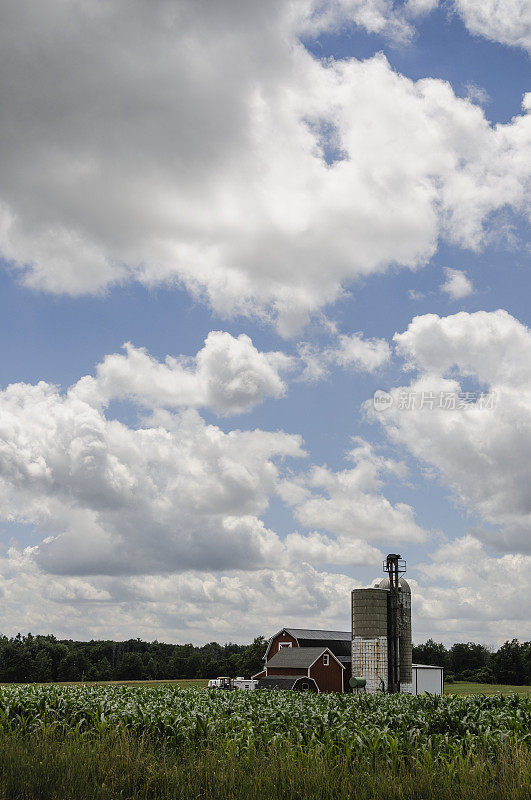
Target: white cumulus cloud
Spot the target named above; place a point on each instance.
(201, 145)
(466, 594)
(457, 284)
(350, 503)
(176, 494)
(228, 375)
(505, 21)
(348, 351)
(481, 447)
(173, 495)
(194, 605)
(363, 354)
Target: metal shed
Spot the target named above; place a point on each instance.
(427, 678)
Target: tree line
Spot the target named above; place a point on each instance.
(467, 661)
(43, 659)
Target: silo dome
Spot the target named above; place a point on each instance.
(402, 583)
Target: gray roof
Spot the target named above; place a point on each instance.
(339, 642)
(308, 633)
(285, 682)
(302, 657)
(278, 682)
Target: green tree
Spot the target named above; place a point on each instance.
(16, 663)
(75, 666)
(251, 659)
(42, 667)
(468, 656)
(526, 657)
(150, 667)
(432, 653)
(100, 670)
(131, 668)
(508, 663)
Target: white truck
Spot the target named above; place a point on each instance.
(225, 682)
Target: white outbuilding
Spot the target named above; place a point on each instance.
(427, 678)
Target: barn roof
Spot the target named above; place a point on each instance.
(302, 657)
(339, 642)
(310, 633)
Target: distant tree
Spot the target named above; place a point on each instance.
(75, 666)
(54, 651)
(526, 658)
(484, 675)
(30, 658)
(104, 669)
(130, 668)
(468, 656)
(509, 663)
(150, 667)
(42, 667)
(432, 653)
(16, 663)
(251, 660)
(100, 670)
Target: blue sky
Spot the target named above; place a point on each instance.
(156, 203)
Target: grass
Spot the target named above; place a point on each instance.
(466, 688)
(47, 767)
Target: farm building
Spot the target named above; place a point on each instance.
(427, 678)
(318, 663)
(377, 650)
(373, 640)
(293, 682)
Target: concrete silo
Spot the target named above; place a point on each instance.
(369, 637)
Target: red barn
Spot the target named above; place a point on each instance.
(316, 663)
(288, 653)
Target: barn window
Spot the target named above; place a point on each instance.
(284, 644)
(326, 659)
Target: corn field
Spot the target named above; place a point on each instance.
(370, 728)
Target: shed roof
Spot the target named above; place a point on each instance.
(302, 657)
(285, 682)
(278, 682)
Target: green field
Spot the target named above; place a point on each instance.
(466, 688)
(183, 683)
(458, 687)
(135, 743)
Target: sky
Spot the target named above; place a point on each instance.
(264, 312)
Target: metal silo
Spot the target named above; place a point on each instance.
(404, 625)
(369, 637)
